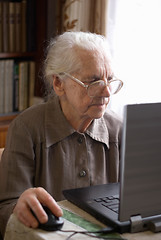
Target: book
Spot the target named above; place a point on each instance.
(15, 86)
(8, 86)
(23, 27)
(2, 64)
(11, 25)
(5, 34)
(31, 83)
(18, 23)
(23, 85)
(1, 27)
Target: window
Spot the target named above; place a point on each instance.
(134, 33)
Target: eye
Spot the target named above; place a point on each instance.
(96, 79)
(92, 80)
(110, 78)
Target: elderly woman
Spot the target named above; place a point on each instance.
(69, 141)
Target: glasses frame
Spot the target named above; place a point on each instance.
(86, 86)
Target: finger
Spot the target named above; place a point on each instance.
(24, 214)
(32, 219)
(46, 199)
(28, 201)
(29, 221)
(36, 209)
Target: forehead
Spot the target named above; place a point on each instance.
(93, 62)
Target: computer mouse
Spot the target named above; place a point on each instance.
(53, 224)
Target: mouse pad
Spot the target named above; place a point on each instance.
(87, 225)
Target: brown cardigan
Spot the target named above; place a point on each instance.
(44, 150)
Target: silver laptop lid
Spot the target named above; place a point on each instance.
(140, 175)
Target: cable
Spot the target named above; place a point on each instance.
(91, 234)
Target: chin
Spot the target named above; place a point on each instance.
(97, 111)
(98, 114)
(97, 117)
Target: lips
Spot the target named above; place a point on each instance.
(98, 104)
(101, 102)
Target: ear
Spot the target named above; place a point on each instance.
(58, 86)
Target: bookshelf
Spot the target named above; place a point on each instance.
(5, 120)
(21, 47)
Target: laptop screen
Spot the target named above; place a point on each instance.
(140, 192)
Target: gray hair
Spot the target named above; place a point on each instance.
(63, 57)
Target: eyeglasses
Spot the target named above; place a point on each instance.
(96, 88)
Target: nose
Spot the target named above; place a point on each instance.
(106, 92)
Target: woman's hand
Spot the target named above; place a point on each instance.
(33, 198)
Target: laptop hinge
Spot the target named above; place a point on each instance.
(136, 223)
(155, 225)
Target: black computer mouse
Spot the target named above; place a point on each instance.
(53, 224)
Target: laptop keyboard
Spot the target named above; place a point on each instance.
(111, 202)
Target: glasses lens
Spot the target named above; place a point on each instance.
(115, 86)
(96, 89)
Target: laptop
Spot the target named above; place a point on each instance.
(133, 204)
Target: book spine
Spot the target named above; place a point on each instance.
(2, 67)
(16, 86)
(26, 85)
(11, 22)
(23, 85)
(21, 80)
(8, 86)
(23, 27)
(31, 82)
(6, 66)
(18, 26)
(5, 27)
(1, 27)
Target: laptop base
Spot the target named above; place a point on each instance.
(84, 199)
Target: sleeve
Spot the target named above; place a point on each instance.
(16, 169)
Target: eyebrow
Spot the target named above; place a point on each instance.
(97, 77)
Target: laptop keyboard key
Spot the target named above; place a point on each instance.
(110, 202)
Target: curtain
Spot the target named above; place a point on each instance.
(85, 15)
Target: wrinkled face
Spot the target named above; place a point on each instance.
(76, 101)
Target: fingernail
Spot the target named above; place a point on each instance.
(59, 213)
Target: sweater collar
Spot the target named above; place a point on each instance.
(57, 127)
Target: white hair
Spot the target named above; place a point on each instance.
(62, 54)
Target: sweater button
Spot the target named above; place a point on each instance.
(80, 140)
(82, 173)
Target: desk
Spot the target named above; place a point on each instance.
(17, 231)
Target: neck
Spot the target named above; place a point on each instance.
(82, 126)
(79, 123)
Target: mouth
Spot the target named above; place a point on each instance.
(100, 102)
